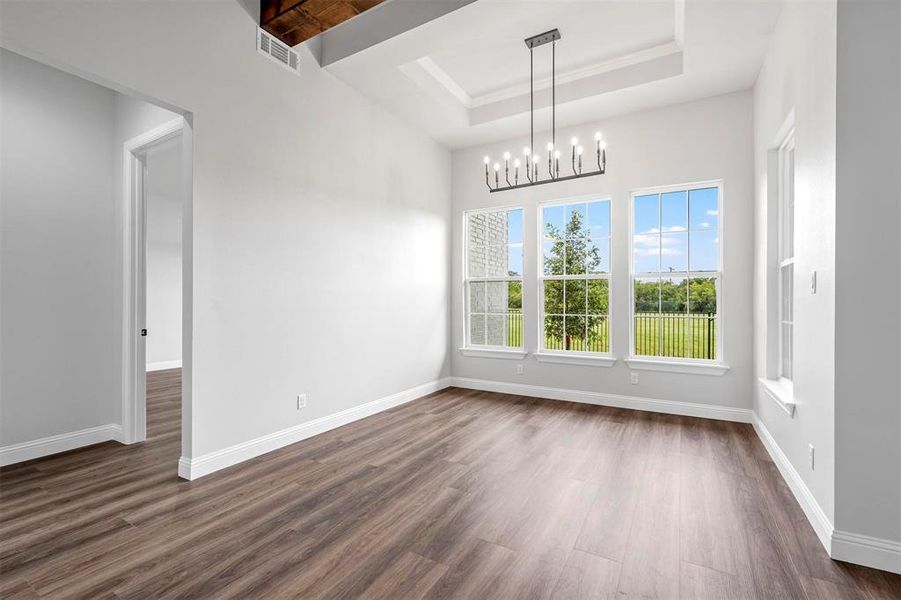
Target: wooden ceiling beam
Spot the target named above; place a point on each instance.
(295, 21)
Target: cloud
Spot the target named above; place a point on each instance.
(703, 224)
(655, 250)
(713, 213)
(656, 230)
(654, 245)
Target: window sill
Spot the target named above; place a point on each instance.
(589, 360)
(508, 354)
(781, 392)
(672, 366)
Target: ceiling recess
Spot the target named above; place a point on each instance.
(295, 21)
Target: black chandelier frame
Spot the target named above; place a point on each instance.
(532, 171)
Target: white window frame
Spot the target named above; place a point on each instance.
(772, 384)
(717, 365)
(603, 359)
(786, 255)
(468, 348)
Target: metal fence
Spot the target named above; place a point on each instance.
(677, 335)
(514, 328)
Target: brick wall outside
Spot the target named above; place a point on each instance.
(487, 249)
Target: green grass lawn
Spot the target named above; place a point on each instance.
(682, 337)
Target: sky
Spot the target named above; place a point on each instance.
(676, 231)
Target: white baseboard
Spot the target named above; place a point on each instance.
(841, 545)
(821, 524)
(867, 551)
(193, 468)
(162, 366)
(690, 409)
(54, 444)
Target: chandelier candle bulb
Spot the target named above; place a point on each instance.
(516, 172)
(557, 163)
(575, 142)
(507, 168)
(487, 162)
(579, 153)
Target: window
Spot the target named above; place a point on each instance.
(493, 279)
(575, 277)
(676, 272)
(786, 254)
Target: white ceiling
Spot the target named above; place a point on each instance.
(464, 78)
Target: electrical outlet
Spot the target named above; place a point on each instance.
(301, 401)
(633, 378)
(810, 455)
(519, 369)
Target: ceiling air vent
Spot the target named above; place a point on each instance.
(277, 51)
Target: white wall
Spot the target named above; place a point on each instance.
(59, 325)
(163, 238)
(868, 265)
(698, 141)
(320, 222)
(836, 65)
(133, 118)
(799, 74)
(62, 258)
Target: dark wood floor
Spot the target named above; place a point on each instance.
(461, 494)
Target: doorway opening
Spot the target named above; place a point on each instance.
(157, 177)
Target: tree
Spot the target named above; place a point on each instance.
(584, 303)
(514, 293)
(702, 295)
(697, 296)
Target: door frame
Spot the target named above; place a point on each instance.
(134, 253)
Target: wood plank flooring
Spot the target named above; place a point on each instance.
(461, 494)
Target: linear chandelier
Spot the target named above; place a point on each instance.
(531, 157)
